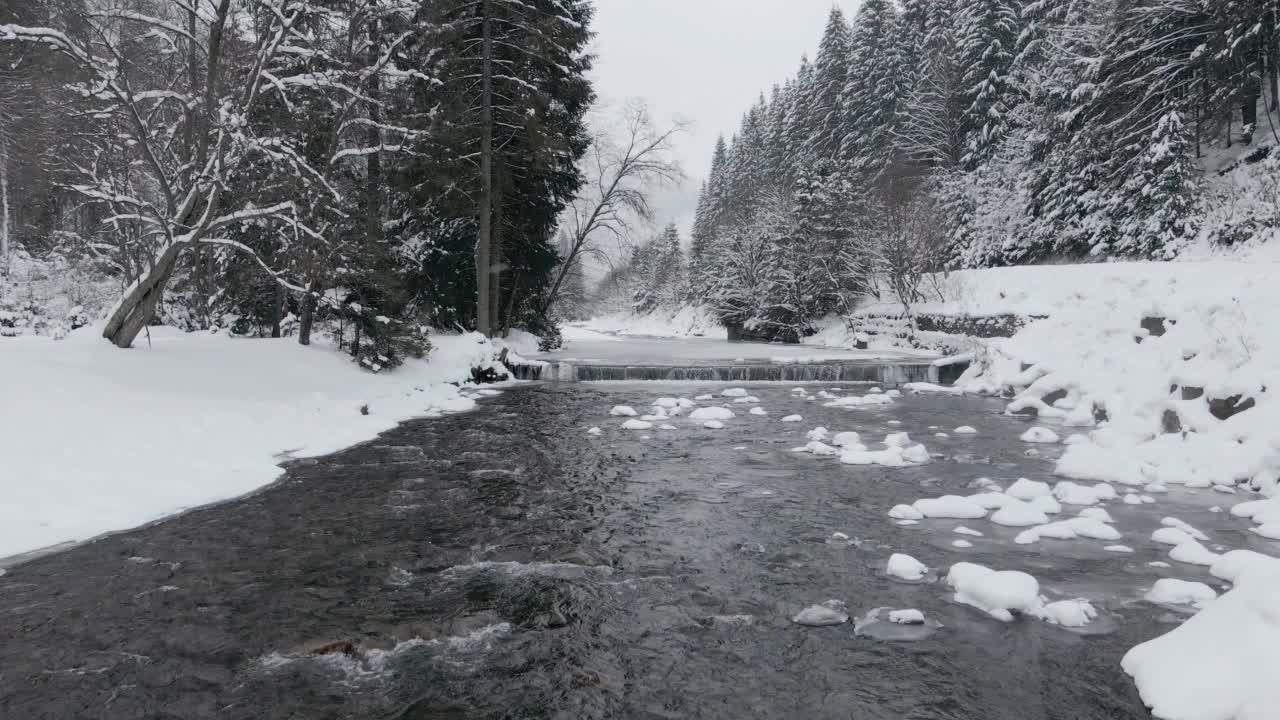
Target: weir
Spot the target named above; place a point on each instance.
(884, 373)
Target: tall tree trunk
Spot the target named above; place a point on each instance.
(307, 313)
(485, 239)
(5, 221)
(1248, 118)
(277, 310)
(373, 180)
(138, 305)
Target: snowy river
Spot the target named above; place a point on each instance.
(506, 563)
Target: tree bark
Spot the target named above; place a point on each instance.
(485, 239)
(277, 311)
(138, 305)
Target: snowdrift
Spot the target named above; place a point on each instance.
(98, 439)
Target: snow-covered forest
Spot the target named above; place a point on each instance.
(370, 167)
(929, 135)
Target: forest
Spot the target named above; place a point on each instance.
(376, 166)
(935, 134)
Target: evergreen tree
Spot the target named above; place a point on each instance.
(870, 95)
(987, 35)
(825, 121)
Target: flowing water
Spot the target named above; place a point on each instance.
(506, 564)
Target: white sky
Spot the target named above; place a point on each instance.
(703, 61)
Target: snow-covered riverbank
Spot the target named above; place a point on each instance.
(98, 439)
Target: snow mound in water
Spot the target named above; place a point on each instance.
(1171, 591)
(819, 448)
(1174, 522)
(905, 512)
(1118, 548)
(962, 530)
(1069, 529)
(887, 624)
(1073, 613)
(898, 439)
(1075, 494)
(1017, 513)
(1220, 664)
(831, 612)
(1231, 565)
(666, 427)
(747, 399)
(594, 431)
(713, 425)
(792, 418)
(666, 402)
(1039, 435)
(711, 413)
(623, 411)
(1097, 513)
(905, 567)
(1193, 553)
(965, 430)
(961, 543)
(924, 387)
(758, 411)
(999, 593)
(1024, 489)
(634, 424)
(854, 401)
(906, 617)
(846, 439)
(704, 398)
(950, 506)
(818, 433)
(733, 392)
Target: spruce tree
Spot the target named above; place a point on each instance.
(825, 120)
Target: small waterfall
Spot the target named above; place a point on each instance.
(885, 374)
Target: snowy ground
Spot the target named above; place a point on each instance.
(98, 439)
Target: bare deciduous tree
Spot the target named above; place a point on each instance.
(907, 240)
(620, 171)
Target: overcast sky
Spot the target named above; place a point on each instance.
(704, 61)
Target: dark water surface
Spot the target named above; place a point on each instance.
(504, 564)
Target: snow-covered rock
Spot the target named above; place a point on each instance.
(711, 413)
(845, 439)
(965, 430)
(818, 433)
(831, 612)
(623, 411)
(961, 543)
(905, 567)
(950, 506)
(998, 593)
(757, 410)
(1171, 591)
(792, 419)
(905, 512)
(733, 392)
(1018, 513)
(1069, 529)
(713, 425)
(906, 617)
(594, 431)
(1073, 613)
(1233, 564)
(1096, 513)
(1039, 435)
(1024, 489)
(636, 424)
(1193, 553)
(962, 530)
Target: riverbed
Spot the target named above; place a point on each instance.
(506, 563)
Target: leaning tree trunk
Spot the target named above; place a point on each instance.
(138, 305)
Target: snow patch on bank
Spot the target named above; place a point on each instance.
(100, 439)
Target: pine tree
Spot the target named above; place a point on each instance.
(825, 120)
(1157, 200)
(870, 94)
(987, 35)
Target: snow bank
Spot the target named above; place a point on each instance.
(1170, 359)
(1219, 664)
(100, 439)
